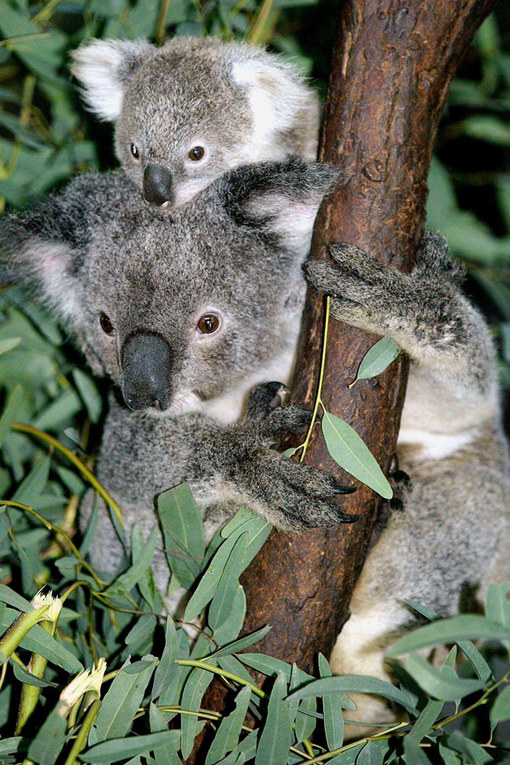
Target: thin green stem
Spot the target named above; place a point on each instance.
(482, 700)
(207, 714)
(46, 13)
(223, 673)
(51, 526)
(76, 461)
(160, 26)
(14, 634)
(328, 755)
(81, 738)
(30, 693)
(256, 33)
(318, 400)
(23, 38)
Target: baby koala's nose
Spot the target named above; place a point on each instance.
(158, 185)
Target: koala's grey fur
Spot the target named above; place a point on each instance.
(237, 101)
(238, 250)
(453, 535)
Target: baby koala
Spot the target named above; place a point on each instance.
(187, 112)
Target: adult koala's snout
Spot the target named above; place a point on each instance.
(158, 185)
(147, 361)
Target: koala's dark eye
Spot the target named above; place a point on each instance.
(106, 324)
(134, 151)
(208, 323)
(196, 153)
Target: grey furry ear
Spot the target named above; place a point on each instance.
(42, 258)
(279, 198)
(104, 67)
(44, 248)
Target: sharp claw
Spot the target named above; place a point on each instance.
(344, 489)
(399, 476)
(344, 518)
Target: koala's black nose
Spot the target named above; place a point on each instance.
(157, 185)
(146, 370)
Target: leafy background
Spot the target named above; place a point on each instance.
(45, 137)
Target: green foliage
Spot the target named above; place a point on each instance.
(157, 674)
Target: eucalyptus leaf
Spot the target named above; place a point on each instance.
(372, 753)
(463, 627)
(27, 677)
(470, 751)
(439, 683)
(276, 735)
(354, 684)
(377, 359)
(49, 741)
(10, 745)
(126, 581)
(121, 701)
(351, 453)
(194, 689)
(181, 523)
(501, 708)
(427, 717)
(10, 412)
(8, 344)
(166, 666)
(227, 735)
(413, 753)
(115, 750)
(332, 710)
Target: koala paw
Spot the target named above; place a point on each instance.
(264, 398)
(290, 495)
(364, 293)
(295, 497)
(432, 259)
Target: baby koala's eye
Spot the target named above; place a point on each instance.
(196, 153)
(134, 151)
(106, 324)
(208, 323)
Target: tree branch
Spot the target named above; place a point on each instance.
(392, 65)
(391, 68)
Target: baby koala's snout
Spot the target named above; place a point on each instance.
(158, 185)
(146, 370)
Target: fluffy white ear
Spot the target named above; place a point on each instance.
(277, 96)
(103, 67)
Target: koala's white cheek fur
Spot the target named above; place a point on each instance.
(231, 406)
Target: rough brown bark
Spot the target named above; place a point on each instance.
(391, 68)
(392, 64)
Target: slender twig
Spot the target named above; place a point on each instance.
(77, 462)
(160, 26)
(81, 738)
(318, 400)
(51, 526)
(256, 33)
(222, 673)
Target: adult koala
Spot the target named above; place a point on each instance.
(188, 111)
(185, 314)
